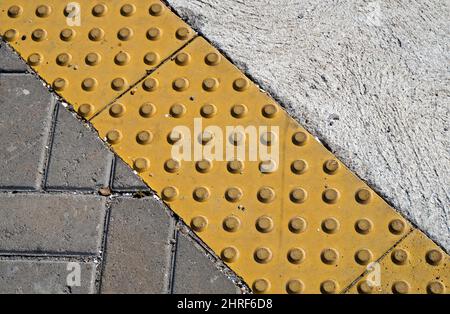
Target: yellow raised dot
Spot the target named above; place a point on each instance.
(35, 59)
(119, 84)
(182, 33)
(264, 224)
(330, 196)
(363, 196)
(60, 84)
(199, 223)
(154, 33)
(96, 34)
(182, 58)
(127, 10)
(210, 84)
(15, 11)
(239, 111)
(266, 195)
(262, 255)
(208, 110)
(11, 35)
(397, 226)
(364, 287)
(85, 110)
(241, 84)
(235, 166)
(363, 226)
(261, 285)
(114, 136)
(125, 33)
(150, 84)
(92, 58)
(399, 256)
(39, 34)
(89, 84)
(297, 225)
(400, 287)
(156, 9)
(67, 34)
(435, 287)
(269, 111)
(229, 254)
(177, 110)
(331, 166)
(433, 257)
(147, 110)
(170, 193)
(203, 166)
(201, 194)
(363, 256)
(151, 58)
(233, 194)
(296, 255)
(180, 84)
(122, 58)
(212, 59)
(300, 138)
(172, 165)
(117, 110)
(329, 256)
(294, 286)
(330, 225)
(144, 137)
(43, 11)
(231, 223)
(99, 10)
(299, 166)
(141, 164)
(329, 287)
(298, 195)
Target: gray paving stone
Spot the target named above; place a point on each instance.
(45, 277)
(51, 223)
(9, 61)
(138, 247)
(125, 180)
(195, 272)
(25, 118)
(78, 160)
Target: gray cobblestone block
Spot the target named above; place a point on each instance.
(78, 159)
(138, 247)
(25, 118)
(195, 272)
(51, 223)
(125, 180)
(9, 61)
(46, 277)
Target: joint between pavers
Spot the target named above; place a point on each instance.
(100, 267)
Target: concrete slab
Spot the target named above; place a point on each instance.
(125, 180)
(10, 62)
(42, 223)
(195, 273)
(26, 109)
(45, 277)
(369, 78)
(78, 160)
(138, 247)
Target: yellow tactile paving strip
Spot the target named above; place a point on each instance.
(416, 265)
(308, 226)
(90, 64)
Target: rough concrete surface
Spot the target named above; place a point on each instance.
(371, 79)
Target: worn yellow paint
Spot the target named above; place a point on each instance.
(255, 239)
(43, 36)
(415, 265)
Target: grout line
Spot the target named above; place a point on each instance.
(173, 259)
(354, 282)
(103, 253)
(49, 144)
(47, 256)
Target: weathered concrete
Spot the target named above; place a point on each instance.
(138, 247)
(124, 180)
(369, 78)
(195, 272)
(45, 277)
(10, 62)
(78, 159)
(42, 223)
(26, 109)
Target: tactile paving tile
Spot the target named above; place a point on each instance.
(310, 226)
(90, 64)
(416, 265)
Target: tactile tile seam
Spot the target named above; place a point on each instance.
(416, 265)
(92, 63)
(310, 226)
